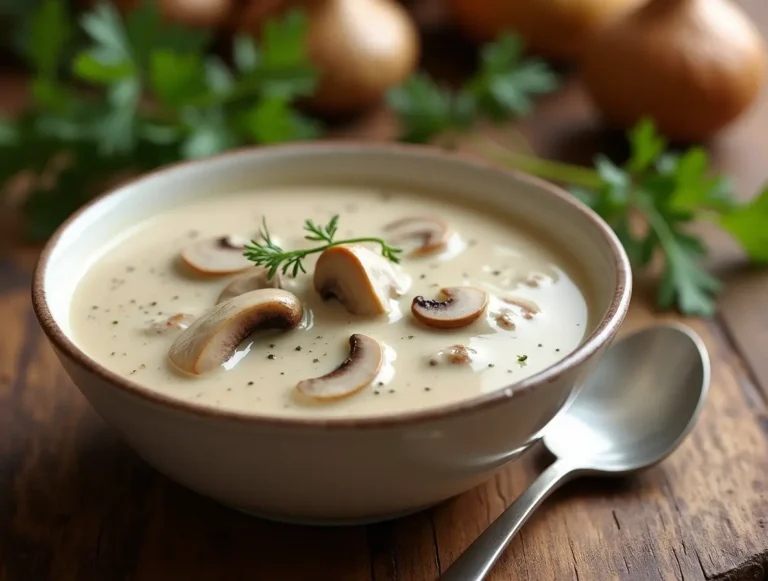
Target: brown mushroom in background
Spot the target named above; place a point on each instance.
(360, 47)
(213, 338)
(693, 66)
(358, 370)
(461, 306)
(362, 280)
(556, 28)
(218, 256)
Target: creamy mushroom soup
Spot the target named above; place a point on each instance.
(476, 304)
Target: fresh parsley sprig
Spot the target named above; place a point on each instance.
(651, 200)
(503, 88)
(270, 255)
(114, 95)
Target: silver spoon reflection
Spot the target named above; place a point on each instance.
(642, 401)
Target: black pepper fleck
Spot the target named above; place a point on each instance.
(557, 350)
(95, 308)
(315, 361)
(250, 383)
(391, 391)
(422, 276)
(272, 357)
(539, 344)
(271, 345)
(376, 392)
(114, 322)
(153, 304)
(282, 373)
(496, 272)
(427, 389)
(490, 365)
(380, 383)
(410, 336)
(112, 354)
(298, 347)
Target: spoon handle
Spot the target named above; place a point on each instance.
(478, 560)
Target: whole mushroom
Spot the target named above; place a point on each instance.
(360, 47)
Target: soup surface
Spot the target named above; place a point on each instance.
(536, 311)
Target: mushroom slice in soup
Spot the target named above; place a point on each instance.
(357, 371)
(217, 256)
(460, 306)
(254, 279)
(362, 280)
(432, 233)
(213, 338)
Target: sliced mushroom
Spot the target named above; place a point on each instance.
(432, 233)
(362, 280)
(358, 370)
(461, 306)
(217, 256)
(254, 279)
(177, 322)
(213, 338)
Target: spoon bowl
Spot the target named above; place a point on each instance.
(637, 408)
(641, 402)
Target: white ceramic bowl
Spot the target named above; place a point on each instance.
(333, 470)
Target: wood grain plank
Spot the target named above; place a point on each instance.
(702, 514)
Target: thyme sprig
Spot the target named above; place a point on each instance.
(269, 254)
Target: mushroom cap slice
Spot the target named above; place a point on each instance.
(358, 370)
(461, 305)
(213, 338)
(216, 256)
(432, 233)
(362, 280)
(254, 279)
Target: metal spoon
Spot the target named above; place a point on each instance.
(642, 401)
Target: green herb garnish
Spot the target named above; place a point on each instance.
(522, 358)
(119, 95)
(502, 88)
(652, 199)
(268, 254)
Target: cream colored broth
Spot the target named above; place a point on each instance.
(138, 280)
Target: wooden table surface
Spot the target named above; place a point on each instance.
(77, 504)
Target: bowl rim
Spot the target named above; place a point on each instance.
(603, 332)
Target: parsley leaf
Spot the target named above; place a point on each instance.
(158, 97)
(749, 225)
(50, 32)
(502, 88)
(507, 81)
(424, 108)
(652, 199)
